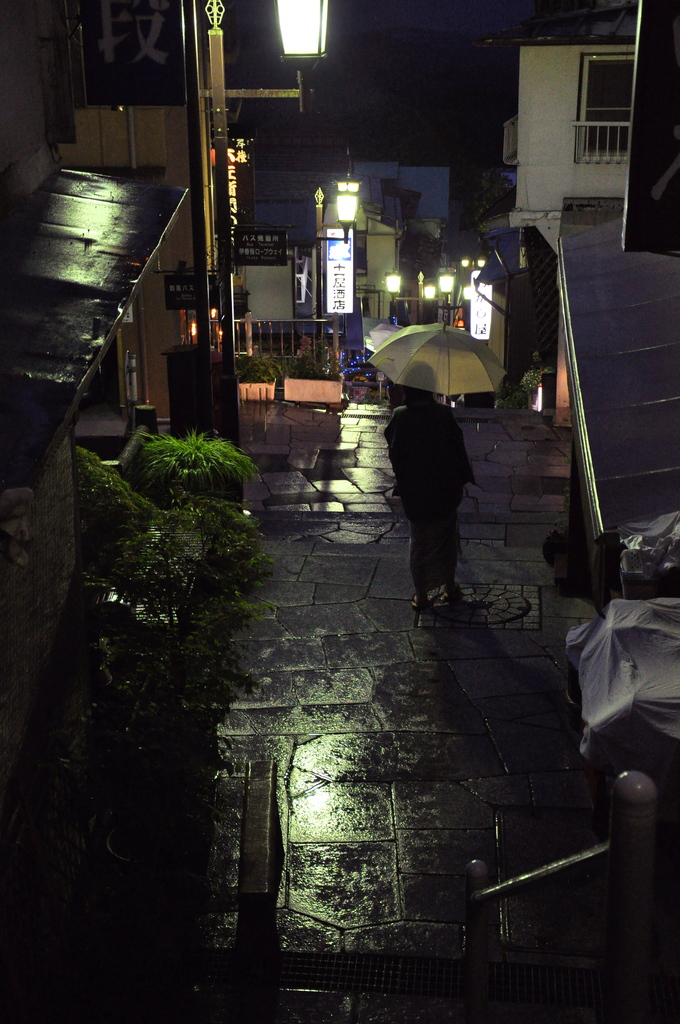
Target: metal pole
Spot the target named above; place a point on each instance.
(229, 389)
(204, 397)
(476, 945)
(629, 899)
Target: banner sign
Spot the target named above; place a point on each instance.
(652, 210)
(241, 179)
(339, 291)
(260, 247)
(133, 52)
(480, 310)
(180, 291)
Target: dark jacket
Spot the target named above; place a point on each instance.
(427, 452)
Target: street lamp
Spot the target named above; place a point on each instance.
(346, 203)
(303, 28)
(393, 285)
(393, 282)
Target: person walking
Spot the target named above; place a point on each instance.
(431, 466)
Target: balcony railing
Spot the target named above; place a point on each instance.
(601, 142)
(510, 140)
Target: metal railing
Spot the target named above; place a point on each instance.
(601, 142)
(510, 129)
(630, 851)
(278, 337)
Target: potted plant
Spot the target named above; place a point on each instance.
(257, 377)
(313, 376)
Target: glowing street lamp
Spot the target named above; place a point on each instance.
(429, 291)
(347, 201)
(446, 282)
(303, 27)
(393, 282)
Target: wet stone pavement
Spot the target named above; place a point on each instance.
(407, 748)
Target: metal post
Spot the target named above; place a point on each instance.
(249, 333)
(476, 945)
(336, 335)
(629, 899)
(229, 389)
(204, 397)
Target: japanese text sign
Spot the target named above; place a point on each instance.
(180, 291)
(133, 52)
(339, 290)
(480, 309)
(241, 179)
(260, 247)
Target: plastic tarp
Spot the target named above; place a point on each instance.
(629, 672)
(656, 540)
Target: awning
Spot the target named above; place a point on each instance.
(622, 312)
(72, 256)
(505, 243)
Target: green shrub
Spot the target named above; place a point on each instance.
(167, 469)
(108, 509)
(257, 369)
(184, 580)
(308, 367)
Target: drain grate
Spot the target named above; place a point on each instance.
(423, 976)
(493, 606)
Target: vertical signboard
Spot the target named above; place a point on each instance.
(652, 210)
(339, 291)
(133, 52)
(240, 178)
(480, 310)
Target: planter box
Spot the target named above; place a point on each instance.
(257, 392)
(316, 392)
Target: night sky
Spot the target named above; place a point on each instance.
(401, 79)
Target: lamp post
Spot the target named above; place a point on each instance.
(303, 35)
(393, 284)
(346, 203)
(446, 285)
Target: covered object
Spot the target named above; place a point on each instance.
(629, 672)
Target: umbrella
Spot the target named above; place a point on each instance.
(438, 358)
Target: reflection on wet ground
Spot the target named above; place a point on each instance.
(407, 749)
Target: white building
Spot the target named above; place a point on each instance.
(569, 139)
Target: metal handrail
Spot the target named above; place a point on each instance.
(545, 873)
(629, 906)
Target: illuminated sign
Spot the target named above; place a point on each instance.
(260, 247)
(339, 271)
(480, 310)
(241, 180)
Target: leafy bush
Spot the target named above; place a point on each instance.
(185, 580)
(166, 670)
(179, 577)
(167, 469)
(257, 369)
(108, 509)
(314, 361)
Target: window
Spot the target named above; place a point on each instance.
(604, 108)
(607, 87)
